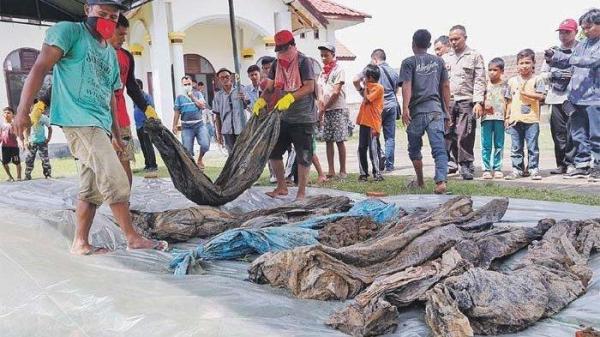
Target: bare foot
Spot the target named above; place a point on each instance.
(322, 179)
(87, 249)
(440, 188)
(300, 197)
(143, 243)
(200, 165)
(277, 192)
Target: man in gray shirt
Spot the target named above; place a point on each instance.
(292, 73)
(228, 107)
(426, 93)
(391, 108)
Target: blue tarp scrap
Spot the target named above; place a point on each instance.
(239, 242)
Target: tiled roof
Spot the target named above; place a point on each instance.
(330, 8)
(342, 52)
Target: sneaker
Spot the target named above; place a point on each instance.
(570, 169)
(578, 173)
(535, 175)
(498, 175)
(272, 180)
(378, 177)
(363, 178)
(466, 173)
(594, 175)
(487, 175)
(28, 177)
(513, 175)
(559, 170)
(452, 167)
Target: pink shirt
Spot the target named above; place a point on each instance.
(7, 137)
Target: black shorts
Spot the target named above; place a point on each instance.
(301, 136)
(10, 155)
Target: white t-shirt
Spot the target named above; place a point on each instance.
(337, 76)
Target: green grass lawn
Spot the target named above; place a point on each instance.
(393, 185)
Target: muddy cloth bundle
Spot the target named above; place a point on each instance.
(242, 168)
(238, 242)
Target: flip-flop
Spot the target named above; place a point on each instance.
(272, 194)
(161, 245)
(95, 250)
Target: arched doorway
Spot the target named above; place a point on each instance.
(16, 68)
(201, 70)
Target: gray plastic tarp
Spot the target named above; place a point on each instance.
(45, 291)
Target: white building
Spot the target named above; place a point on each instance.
(170, 38)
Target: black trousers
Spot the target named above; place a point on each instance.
(560, 127)
(147, 149)
(460, 138)
(369, 144)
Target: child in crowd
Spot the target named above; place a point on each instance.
(10, 144)
(526, 90)
(369, 120)
(492, 121)
(36, 140)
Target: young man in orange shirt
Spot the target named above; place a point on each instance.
(369, 120)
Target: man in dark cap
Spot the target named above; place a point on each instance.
(85, 76)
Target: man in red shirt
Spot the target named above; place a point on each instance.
(127, 71)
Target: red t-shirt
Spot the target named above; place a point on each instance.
(122, 115)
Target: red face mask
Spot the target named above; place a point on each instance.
(104, 27)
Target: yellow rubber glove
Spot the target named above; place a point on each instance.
(284, 102)
(36, 112)
(150, 112)
(258, 105)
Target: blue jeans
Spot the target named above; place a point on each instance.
(211, 131)
(388, 123)
(196, 132)
(520, 134)
(433, 124)
(585, 131)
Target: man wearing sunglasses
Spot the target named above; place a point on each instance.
(228, 107)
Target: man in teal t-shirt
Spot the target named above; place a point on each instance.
(84, 78)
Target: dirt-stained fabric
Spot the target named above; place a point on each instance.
(553, 273)
(242, 168)
(325, 273)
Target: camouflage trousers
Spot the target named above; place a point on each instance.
(42, 148)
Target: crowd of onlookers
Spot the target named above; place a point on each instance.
(443, 96)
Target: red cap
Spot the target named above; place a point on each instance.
(282, 38)
(568, 25)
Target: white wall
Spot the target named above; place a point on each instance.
(259, 13)
(15, 36)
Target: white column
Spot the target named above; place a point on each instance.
(161, 63)
(137, 50)
(283, 20)
(178, 65)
